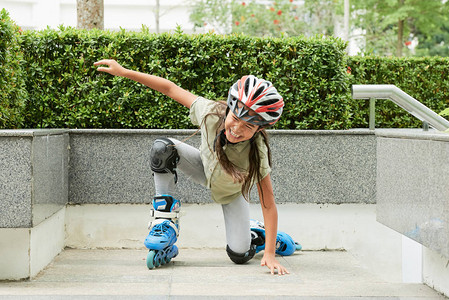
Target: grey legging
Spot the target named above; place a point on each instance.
(236, 213)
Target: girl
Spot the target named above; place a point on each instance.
(234, 154)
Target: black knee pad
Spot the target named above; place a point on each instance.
(241, 258)
(164, 156)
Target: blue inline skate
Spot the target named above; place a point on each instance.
(285, 245)
(164, 231)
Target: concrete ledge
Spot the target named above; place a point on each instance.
(413, 134)
(30, 132)
(412, 186)
(24, 252)
(47, 240)
(14, 253)
(436, 271)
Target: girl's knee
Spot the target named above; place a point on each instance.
(241, 258)
(164, 156)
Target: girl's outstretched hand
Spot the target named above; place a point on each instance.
(114, 68)
(272, 263)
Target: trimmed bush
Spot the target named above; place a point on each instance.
(314, 75)
(12, 80)
(65, 90)
(425, 79)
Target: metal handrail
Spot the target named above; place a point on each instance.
(407, 102)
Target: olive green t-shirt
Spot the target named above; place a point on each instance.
(223, 188)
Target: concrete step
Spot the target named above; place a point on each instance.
(207, 273)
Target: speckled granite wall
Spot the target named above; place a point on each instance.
(33, 176)
(50, 174)
(15, 181)
(324, 166)
(413, 186)
(112, 166)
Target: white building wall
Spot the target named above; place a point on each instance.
(130, 14)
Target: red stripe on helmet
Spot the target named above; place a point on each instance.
(240, 85)
(252, 101)
(272, 107)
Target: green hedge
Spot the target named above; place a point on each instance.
(65, 90)
(425, 79)
(12, 80)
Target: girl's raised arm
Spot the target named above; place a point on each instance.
(159, 84)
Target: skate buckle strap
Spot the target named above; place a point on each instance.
(165, 215)
(160, 221)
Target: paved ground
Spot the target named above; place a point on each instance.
(204, 274)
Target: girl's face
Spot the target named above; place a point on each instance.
(237, 130)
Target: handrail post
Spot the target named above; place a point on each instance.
(372, 113)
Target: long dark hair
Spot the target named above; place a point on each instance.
(246, 177)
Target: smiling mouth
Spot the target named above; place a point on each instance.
(233, 134)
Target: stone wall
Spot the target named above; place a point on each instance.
(413, 186)
(112, 166)
(41, 171)
(33, 176)
(33, 197)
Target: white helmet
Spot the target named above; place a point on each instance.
(255, 101)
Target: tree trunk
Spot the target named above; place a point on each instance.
(90, 14)
(346, 20)
(157, 15)
(400, 33)
(400, 38)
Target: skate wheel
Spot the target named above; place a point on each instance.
(166, 260)
(150, 259)
(298, 246)
(175, 252)
(159, 259)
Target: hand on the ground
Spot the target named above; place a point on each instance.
(272, 263)
(114, 68)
